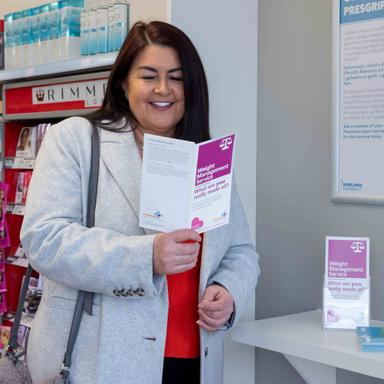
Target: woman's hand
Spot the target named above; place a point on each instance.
(215, 308)
(175, 252)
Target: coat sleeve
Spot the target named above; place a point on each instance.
(239, 269)
(53, 234)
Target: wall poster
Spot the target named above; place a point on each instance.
(358, 101)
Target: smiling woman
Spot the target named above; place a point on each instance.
(161, 300)
(162, 65)
(155, 91)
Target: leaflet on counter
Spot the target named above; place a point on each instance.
(346, 289)
(186, 185)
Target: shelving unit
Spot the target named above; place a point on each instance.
(59, 68)
(58, 90)
(22, 106)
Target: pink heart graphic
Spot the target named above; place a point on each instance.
(197, 223)
(332, 316)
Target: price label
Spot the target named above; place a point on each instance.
(8, 163)
(18, 210)
(20, 163)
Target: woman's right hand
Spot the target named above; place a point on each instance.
(175, 252)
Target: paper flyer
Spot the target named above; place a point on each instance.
(346, 282)
(186, 185)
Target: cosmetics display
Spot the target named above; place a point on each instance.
(104, 26)
(42, 34)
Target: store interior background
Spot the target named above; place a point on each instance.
(291, 112)
(294, 210)
(228, 48)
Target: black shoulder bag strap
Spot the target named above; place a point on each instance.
(84, 300)
(13, 345)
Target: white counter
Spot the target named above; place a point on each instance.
(314, 352)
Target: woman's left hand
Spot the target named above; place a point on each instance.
(215, 308)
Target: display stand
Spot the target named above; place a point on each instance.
(346, 286)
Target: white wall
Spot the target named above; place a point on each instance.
(294, 210)
(225, 34)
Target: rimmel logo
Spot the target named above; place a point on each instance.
(40, 95)
(92, 92)
(226, 143)
(357, 246)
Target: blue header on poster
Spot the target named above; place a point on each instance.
(358, 10)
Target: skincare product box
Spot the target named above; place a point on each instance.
(120, 25)
(34, 52)
(25, 36)
(16, 33)
(84, 33)
(44, 33)
(8, 42)
(102, 27)
(69, 41)
(92, 29)
(54, 31)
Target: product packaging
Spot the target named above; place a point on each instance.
(25, 29)
(69, 41)
(54, 31)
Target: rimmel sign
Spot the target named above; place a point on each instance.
(91, 92)
(56, 97)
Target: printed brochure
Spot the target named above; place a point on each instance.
(346, 289)
(186, 185)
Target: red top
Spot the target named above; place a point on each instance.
(183, 338)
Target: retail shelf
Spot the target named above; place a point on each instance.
(81, 64)
(15, 209)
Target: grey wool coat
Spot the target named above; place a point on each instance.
(123, 341)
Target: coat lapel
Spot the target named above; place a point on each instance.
(121, 156)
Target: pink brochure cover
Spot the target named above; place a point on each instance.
(347, 258)
(214, 159)
(213, 179)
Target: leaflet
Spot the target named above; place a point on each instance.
(346, 289)
(186, 185)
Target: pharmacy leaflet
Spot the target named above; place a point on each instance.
(186, 185)
(346, 290)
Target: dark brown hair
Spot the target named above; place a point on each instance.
(194, 126)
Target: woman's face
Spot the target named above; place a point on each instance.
(155, 90)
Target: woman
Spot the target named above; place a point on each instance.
(24, 140)
(161, 299)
